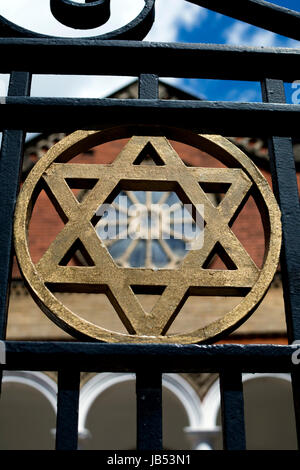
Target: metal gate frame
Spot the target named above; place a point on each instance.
(123, 53)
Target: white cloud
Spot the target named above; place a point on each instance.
(235, 33)
(246, 95)
(243, 34)
(80, 86)
(172, 15)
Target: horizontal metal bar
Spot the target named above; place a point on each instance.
(226, 118)
(93, 357)
(266, 15)
(96, 57)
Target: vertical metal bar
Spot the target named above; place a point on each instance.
(149, 410)
(149, 385)
(11, 160)
(67, 410)
(285, 187)
(232, 405)
(148, 86)
(295, 376)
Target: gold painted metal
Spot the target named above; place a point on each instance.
(120, 283)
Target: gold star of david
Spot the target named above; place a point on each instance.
(191, 277)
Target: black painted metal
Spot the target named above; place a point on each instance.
(232, 404)
(295, 376)
(91, 14)
(97, 357)
(11, 159)
(148, 86)
(121, 53)
(65, 114)
(286, 189)
(67, 409)
(148, 381)
(149, 410)
(135, 57)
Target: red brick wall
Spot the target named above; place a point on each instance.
(46, 224)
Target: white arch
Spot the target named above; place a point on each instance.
(37, 380)
(212, 401)
(187, 395)
(173, 382)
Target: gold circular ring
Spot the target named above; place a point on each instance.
(175, 285)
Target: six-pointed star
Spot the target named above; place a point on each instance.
(119, 283)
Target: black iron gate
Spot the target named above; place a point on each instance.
(123, 53)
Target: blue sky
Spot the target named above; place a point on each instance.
(216, 28)
(176, 20)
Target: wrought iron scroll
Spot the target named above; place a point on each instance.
(86, 16)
